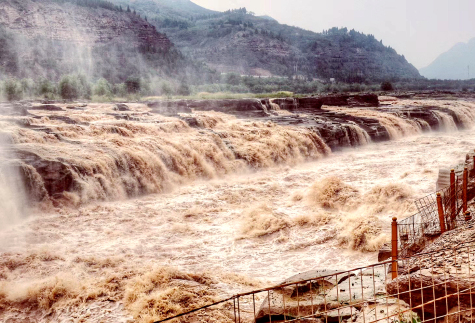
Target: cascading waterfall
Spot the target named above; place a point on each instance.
(11, 190)
(446, 121)
(120, 159)
(94, 156)
(465, 113)
(361, 134)
(397, 127)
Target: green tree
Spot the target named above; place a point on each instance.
(68, 88)
(13, 90)
(45, 89)
(387, 86)
(166, 89)
(133, 85)
(184, 89)
(233, 79)
(102, 88)
(73, 87)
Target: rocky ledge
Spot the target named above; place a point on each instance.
(50, 176)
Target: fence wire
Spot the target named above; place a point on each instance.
(430, 287)
(421, 228)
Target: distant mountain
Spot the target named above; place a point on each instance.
(237, 41)
(453, 64)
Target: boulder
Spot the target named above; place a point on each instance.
(121, 107)
(424, 287)
(332, 296)
(385, 253)
(56, 177)
(397, 311)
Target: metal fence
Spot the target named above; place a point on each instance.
(421, 228)
(430, 287)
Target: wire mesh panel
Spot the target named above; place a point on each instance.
(417, 230)
(431, 286)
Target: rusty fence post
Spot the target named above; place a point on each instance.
(452, 195)
(474, 165)
(394, 248)
(440, 207)
(465, 189)
(468, 216)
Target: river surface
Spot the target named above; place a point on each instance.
(261, 226)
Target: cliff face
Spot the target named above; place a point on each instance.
(49, 39)
(76, 24)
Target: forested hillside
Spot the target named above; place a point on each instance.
(238, 41)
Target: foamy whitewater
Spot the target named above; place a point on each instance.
(217, 228)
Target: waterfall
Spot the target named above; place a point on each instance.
(11, 190)
(360, 134)
(446, 121)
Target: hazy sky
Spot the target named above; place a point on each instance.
(418, 29)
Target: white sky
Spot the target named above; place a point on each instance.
(418, 29)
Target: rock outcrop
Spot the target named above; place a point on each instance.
(332, 296)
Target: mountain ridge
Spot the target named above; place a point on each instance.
(453, 64)
(237, 41)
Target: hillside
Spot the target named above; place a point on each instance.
(238, 41)
(46, 39)
(453, 64)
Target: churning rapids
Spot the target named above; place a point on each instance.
(134, 220)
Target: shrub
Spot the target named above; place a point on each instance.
(73, 87)
(103, 88)
(387, 86)
(120, 90)
(13, 90)
(28, 88)
(45, 89)
(183, 89)
(68, 88)
(133, 85)
(166, 89)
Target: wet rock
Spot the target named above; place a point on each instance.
(46, 107)
(288, 103)
(121, 107)
(244, 107)
(57, 177)
(384, 253)
(327, 297)
(397, 309)
(442, 289)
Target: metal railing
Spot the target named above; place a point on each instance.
(411, 287)
(429, 287)
(438, 212)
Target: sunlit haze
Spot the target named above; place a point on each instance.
(419, 29)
